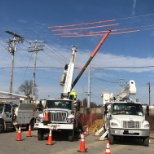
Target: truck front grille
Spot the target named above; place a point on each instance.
(58, 116)
(131, 124)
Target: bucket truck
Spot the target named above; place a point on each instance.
(17, 111)
(62, 114)
(124, 117)
(61, 110)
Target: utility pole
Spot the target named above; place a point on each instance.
(89, 87)
(35, 49)
(149, 93)
(12, 48)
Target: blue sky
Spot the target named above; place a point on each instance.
(122, 56)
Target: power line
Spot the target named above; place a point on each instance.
(79, 68)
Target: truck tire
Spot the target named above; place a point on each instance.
(111, 138)
(1, 127)
(146, 141)
(71, 136)
(40, 134)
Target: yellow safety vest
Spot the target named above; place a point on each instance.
(74, 94)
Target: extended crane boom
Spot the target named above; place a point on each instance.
(91, 57)
(67, 77)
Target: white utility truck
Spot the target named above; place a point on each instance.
(124, 117)
(16, 112)
(63, 113)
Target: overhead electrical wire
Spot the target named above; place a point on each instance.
(97, 34)
(144, 15)
(57, 53)
(27, 67)
(55, 56)
(74, 27)
(79, 68)
(81, 24)
(84, 28)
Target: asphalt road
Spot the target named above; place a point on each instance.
(30, 145)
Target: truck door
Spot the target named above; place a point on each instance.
(107, 115)
(8, 113)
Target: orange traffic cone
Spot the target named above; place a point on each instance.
(50, 138)
(29, 134)
(18, 138)
(87, 132)
(82, 144)
(46, 118)
(107, 147)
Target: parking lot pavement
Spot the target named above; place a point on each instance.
(61, 145)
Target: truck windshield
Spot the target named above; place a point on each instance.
(64, 104)
(1, 108)
(127, 109)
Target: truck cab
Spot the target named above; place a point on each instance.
(6, 115)
(126, 119)
(62, 116)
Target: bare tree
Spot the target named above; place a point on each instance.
(26, 88)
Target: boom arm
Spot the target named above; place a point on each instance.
(129, 89)
(91, 57)
(68, 73)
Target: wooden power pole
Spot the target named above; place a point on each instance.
(35, 49)
(12, 48)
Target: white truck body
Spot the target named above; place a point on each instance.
(62, 117)
(125, 118)
(14, 114)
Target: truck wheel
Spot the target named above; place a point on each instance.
(111, 138)
(40, 134)
(71, 136)
(146, 141)
(1, 127)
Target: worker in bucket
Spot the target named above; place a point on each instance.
(73, 95)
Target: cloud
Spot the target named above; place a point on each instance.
(133, 8)
(51, 61)
(57, 56)
(124, 63)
